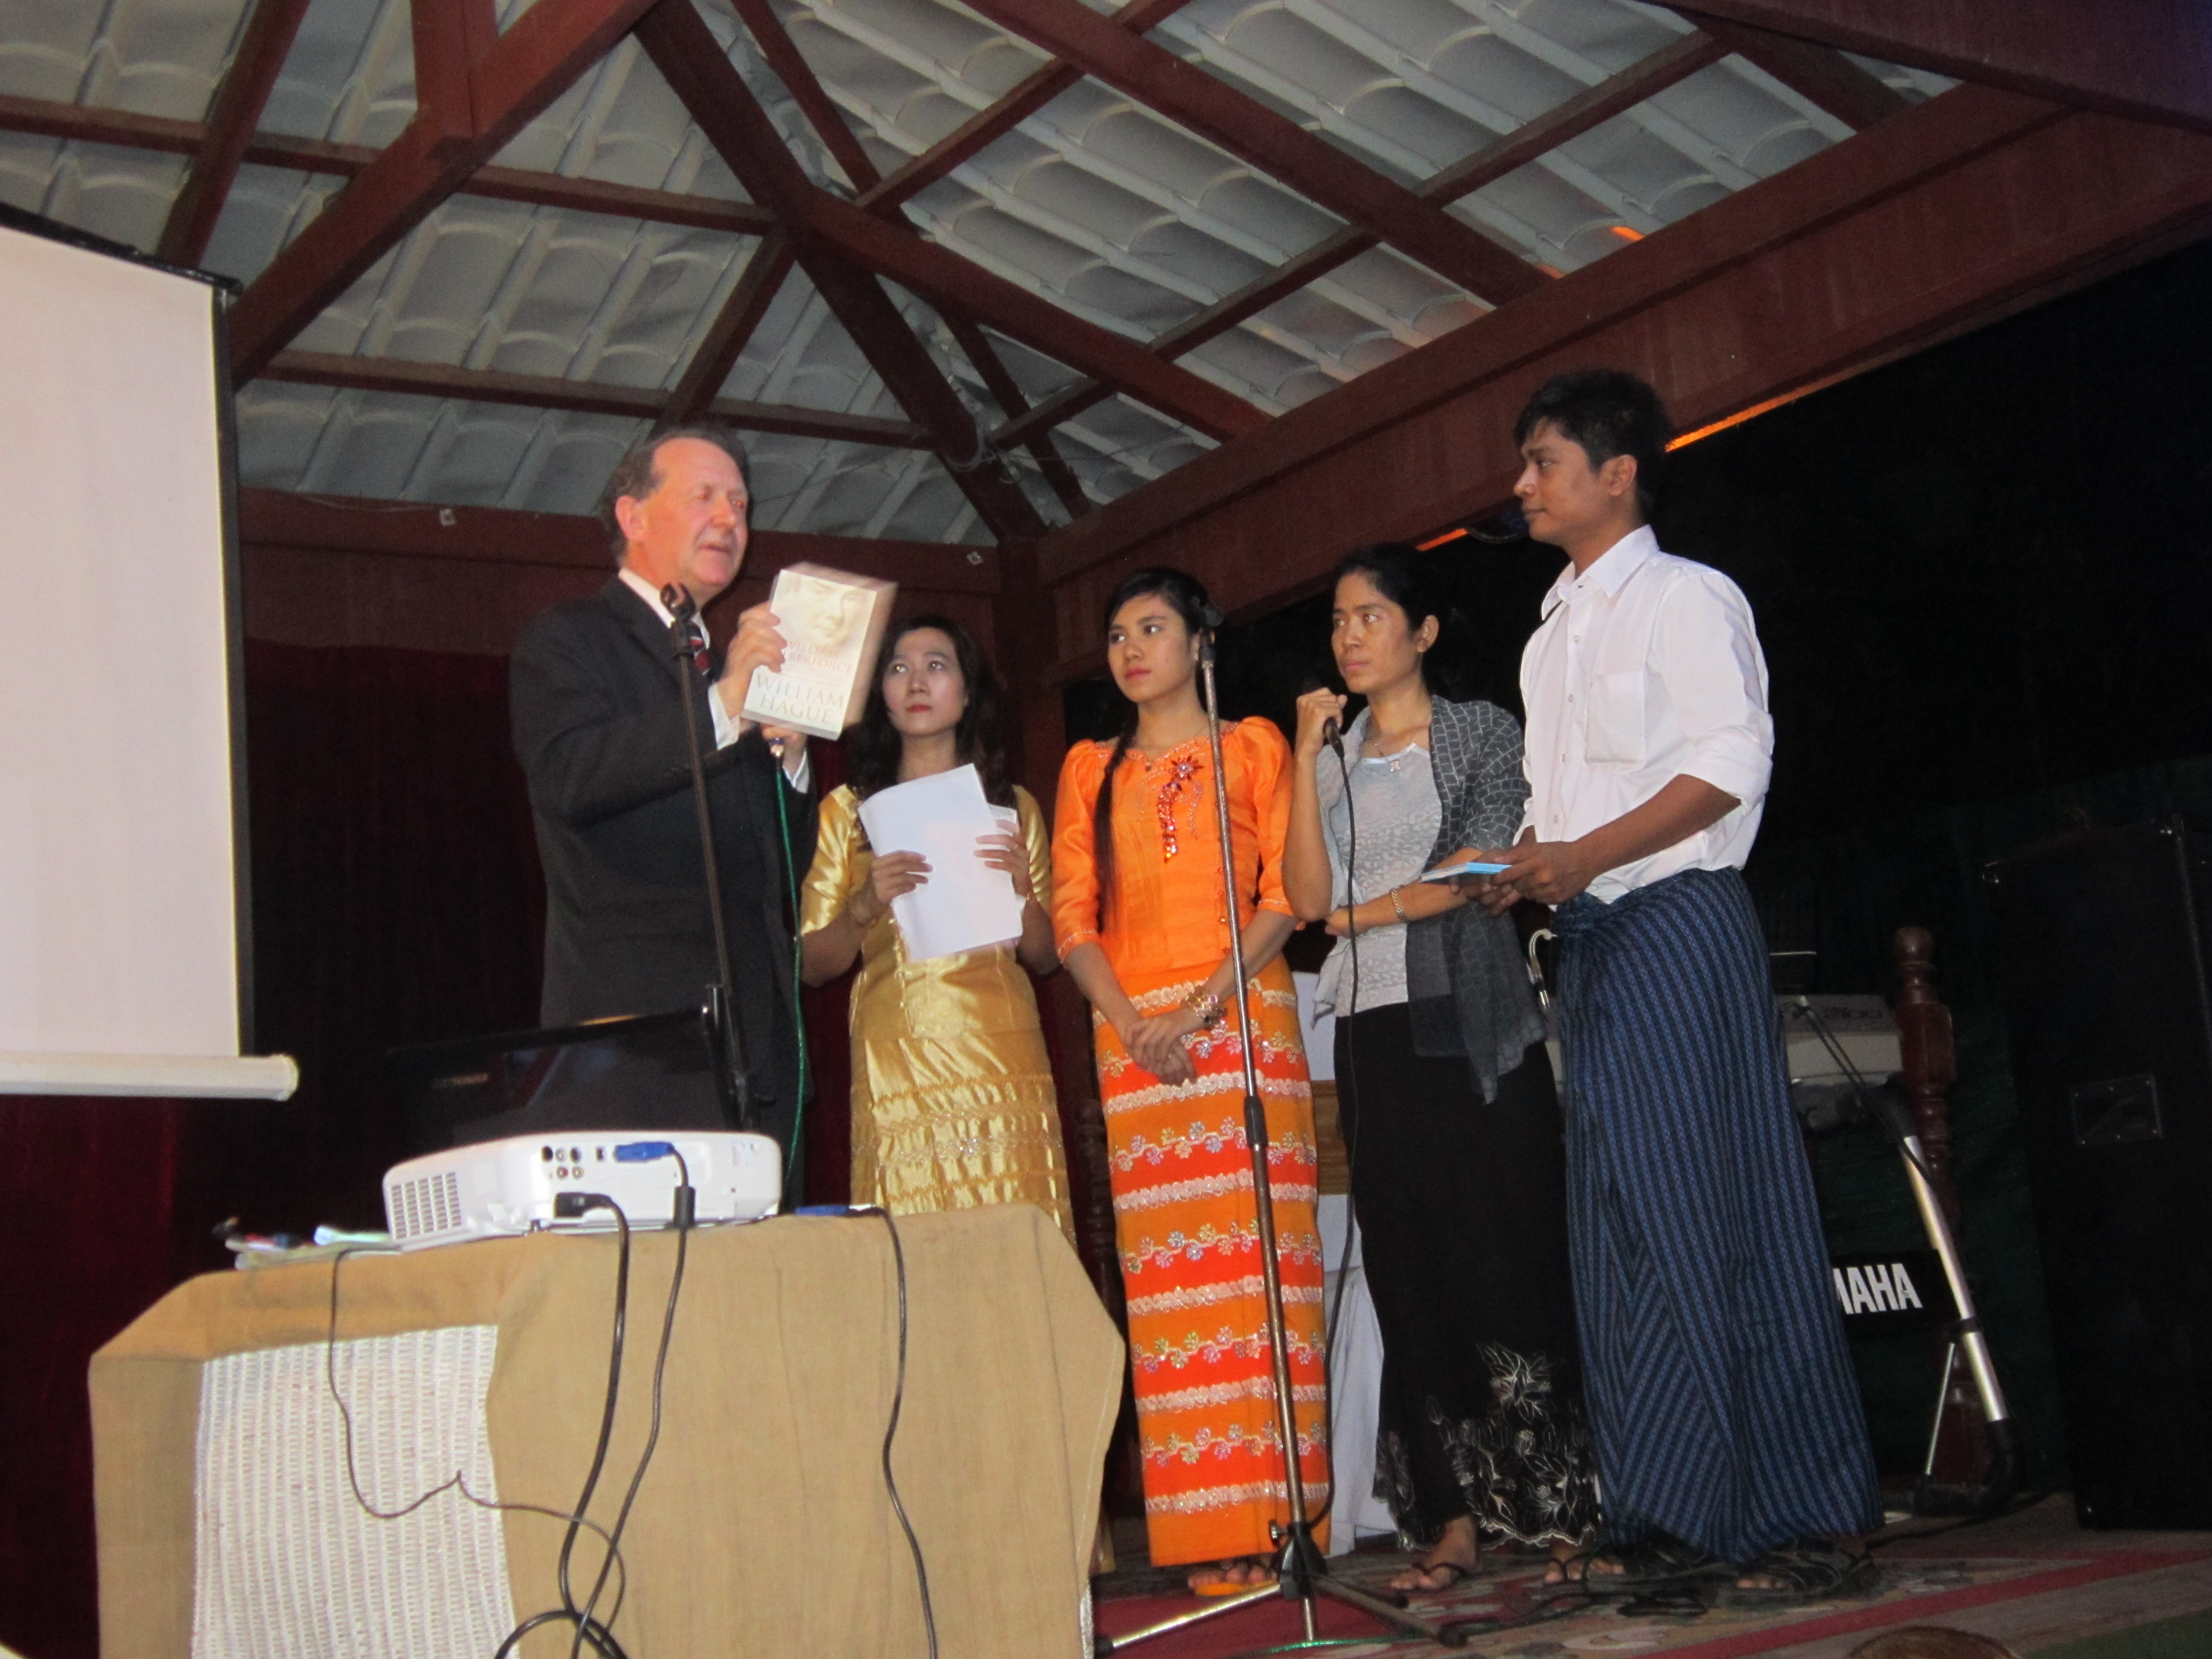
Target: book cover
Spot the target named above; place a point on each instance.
(832, 623)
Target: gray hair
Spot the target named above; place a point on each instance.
(637, 475)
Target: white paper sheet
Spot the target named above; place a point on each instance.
(965, 904)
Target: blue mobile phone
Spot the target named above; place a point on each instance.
(1471, 867)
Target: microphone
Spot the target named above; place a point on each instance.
(679, 603)
(1329, 734)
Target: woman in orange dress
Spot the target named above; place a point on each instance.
(1138, 910)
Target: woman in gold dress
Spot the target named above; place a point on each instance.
(953, 1103)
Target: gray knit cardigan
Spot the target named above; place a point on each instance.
(1467, 989)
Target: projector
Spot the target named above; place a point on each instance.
(498, 1188)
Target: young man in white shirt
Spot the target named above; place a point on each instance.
(1731, 1444)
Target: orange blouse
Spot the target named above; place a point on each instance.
(1165, 912)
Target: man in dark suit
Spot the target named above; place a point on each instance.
(597, 692)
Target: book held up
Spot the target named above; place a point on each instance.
(832, 623)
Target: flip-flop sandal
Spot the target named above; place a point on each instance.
(1659, 1559)
(1809, 1571)
(1457, 1572)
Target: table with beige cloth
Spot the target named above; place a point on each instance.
(762, 1526)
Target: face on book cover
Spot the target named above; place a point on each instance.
(691, 527)
(830, 614)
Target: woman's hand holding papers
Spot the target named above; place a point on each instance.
(894, 874)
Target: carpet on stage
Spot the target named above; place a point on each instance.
(1518, 1618)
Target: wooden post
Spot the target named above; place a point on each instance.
(1930, 1059)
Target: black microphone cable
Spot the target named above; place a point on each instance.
(891, 1431)
(602, 1641)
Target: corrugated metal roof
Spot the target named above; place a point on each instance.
(1108, 210)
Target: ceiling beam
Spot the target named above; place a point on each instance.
(1530, 142)
(798, 79)
(2143, 58)
(821, 113)
(700, 73)
(493, 535)
(246, 86)
(1963, 209)
(1247, 129)
(530, 65)
(450, 37)
(1820, 74)
(1003, 387)
(482, 386)
(716, 95)
(725, 342)
(320, 155)
(980, 130)
(947, 279)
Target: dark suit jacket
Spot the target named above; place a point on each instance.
(597, 702)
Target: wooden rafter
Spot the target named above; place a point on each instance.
(1247, 129)
(973, 135)
(238, 104)
(2143, 58)
(320, 155)
(806, 90)
(1819, 73)
(696, 68)
(450, 37)
(1964, 209)
(822, 113)
(1561, 125)
(482, 386)
(530, 65)
(755, 152)
(493, 535)
(945, 278)
(724, 341)
(1000, 381)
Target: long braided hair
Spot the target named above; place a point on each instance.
(1187, 597)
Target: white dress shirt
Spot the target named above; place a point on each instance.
(1645, 669)
(727, 730)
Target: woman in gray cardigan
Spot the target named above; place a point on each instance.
(1444, 1092)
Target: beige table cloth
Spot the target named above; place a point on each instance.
(764, 1527)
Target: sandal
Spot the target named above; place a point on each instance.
(1429, 1569)
(1808, 1569)
(1658, 1558)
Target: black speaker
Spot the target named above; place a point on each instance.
(2101, 938)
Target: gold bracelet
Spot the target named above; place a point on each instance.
(1206, 1004)
(1397, 909)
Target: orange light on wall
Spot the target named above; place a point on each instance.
(1755, 411)
(1438, 541)
(1626, 233)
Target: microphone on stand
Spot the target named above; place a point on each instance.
(718, 1012)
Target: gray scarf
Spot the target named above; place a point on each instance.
(1466, 987)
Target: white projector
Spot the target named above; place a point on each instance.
(497, 1189)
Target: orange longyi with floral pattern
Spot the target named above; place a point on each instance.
(1185, 1221)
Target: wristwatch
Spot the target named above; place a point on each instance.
(1205, 1003)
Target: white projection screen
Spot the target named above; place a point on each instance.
(123, 948)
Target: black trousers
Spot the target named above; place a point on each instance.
(1461, 1205)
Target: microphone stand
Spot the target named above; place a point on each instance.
(718, 1012)
(1302, 1572)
